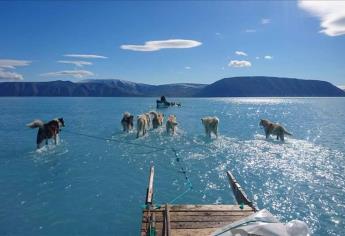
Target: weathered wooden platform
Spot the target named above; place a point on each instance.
(190, 220)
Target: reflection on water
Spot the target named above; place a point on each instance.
(62, 189)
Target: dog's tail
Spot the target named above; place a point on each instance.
(286, 132)
(154, 113)
(36, 124)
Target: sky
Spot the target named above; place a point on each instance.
(160, 42)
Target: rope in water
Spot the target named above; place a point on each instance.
(184, 172)
(178, 159)
(114, 140)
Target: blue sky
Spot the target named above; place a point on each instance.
(198, 42)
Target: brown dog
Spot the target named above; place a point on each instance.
(273, 128)
(47, 130)
(157, 119)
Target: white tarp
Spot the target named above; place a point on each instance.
(265, 224)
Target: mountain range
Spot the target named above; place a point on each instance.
(248, 86)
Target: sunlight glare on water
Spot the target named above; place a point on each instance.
(97, 187)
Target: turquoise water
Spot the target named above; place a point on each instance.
(86, 186)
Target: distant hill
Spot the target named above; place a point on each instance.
(258, 86)
(96, 88)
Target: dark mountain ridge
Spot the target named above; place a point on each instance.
(257, 86)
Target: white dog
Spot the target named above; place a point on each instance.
(171, 124)
(210, 125)
(142, 124)
(148, 118)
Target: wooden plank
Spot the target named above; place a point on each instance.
(209, 208)
(192, 225)
(198, 218)
(158, 226)
(204, 213)
(149, 194)
(240, 195)
(198, 225)
(167, 228)
(188, 232)
(192, 232)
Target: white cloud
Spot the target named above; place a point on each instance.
(241, 53)
(8, 75)
(250, 30)
(341, 87)
(265, 21)
(12, 64)
(268, 57)
(77, 63)
(188, 67)
(236, 63)
(331, 14)
(257, 58)
(90, 56)
(150, 46)
(78, 74)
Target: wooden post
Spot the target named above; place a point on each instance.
(167, 221)
(149, 193)
(240, 195)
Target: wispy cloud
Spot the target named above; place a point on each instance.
(219, 35)
(8, 75)
(236, 63)
(77, 63)
(268, 57)
(151, 46)
(331, 14)
(12, 64)
(188, 67)
(257, 58)
(250, 30)
(89, 56)
(341, 87)
(241, 53)
(78, 74)
(265, 21)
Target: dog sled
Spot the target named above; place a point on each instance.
(218, 220)
(163, 103)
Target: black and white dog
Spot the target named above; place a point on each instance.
(47, 130)
(127, 122)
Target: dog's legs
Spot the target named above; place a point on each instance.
(209, 133)
(46, 141)
(282, 137)
(267, 134)
(277, 137)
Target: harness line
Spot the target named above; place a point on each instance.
(178, 159)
